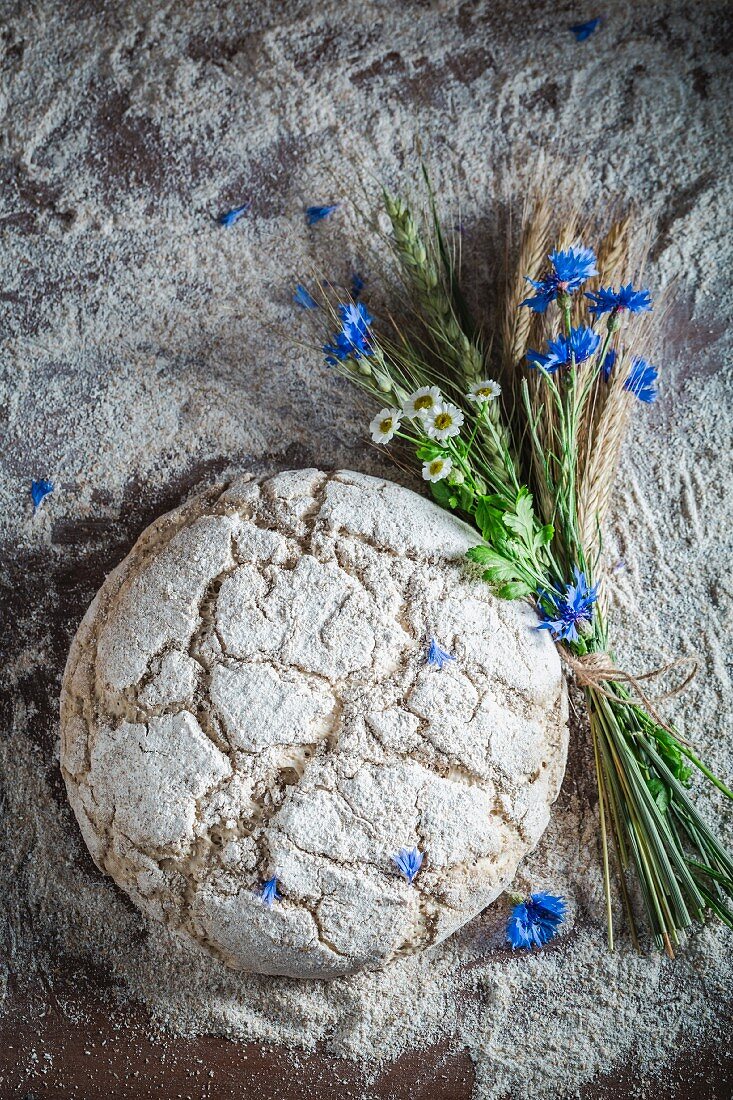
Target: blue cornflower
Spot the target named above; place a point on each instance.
(232, 216)
(614, 301)
(318, 213)
(354, 340)
(409, 862)
(40, 489)
(437, 656)
(642, 380)
(357, 285)
(584, 30)
(568, 610)
(534, 921)
(570, 269)
(581, 344)
(303, 298)
(269, 893)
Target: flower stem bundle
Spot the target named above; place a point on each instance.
(530, 461)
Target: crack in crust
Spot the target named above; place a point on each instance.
(323, 758)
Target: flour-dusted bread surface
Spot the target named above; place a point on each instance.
(248, 696)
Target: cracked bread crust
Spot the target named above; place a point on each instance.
(247, 696)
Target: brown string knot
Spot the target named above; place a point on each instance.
(593, 670)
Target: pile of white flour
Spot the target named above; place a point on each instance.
(147, 350)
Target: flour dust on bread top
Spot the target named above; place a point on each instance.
(248, 697)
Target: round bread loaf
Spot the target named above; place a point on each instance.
(248, 697)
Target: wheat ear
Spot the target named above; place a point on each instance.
(597, 478)
(533, 247)
(613, 253)
(424, 275)
(613, 261)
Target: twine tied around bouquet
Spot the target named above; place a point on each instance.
(593, 670)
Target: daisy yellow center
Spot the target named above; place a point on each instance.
(424, 402)
(386, 424)
(436, 465)
(484, 391)
(443, 420)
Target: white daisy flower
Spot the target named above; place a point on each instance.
(486, 390)
(422, 401)
(443, 421)
(437, 468)
(385, 424)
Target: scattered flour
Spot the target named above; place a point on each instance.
(147, 352)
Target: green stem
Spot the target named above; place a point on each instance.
(604, 837)
(704, 769)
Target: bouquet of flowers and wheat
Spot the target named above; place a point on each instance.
(530, 462)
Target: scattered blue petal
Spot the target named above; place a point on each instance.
(269, 893)
(614, 301)
(536, 920)
(642, 380)
(39, 490)
(303, 298)
(584, 30)
(409, 861)
(353, 341)
(562, 612)
(570, 269)
(232, 216)
(580, 345)
(437, 657)
(318, 213)
(357, 285)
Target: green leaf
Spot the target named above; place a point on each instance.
(479, 554)
(514, 590)
(522, 521)
(490, 519)
(544, 536)
(660, 793)
(493, 560)
(426, 452)
(498, 575)
(442, 494)
(498, 568)
(669, 750)
(465, 497)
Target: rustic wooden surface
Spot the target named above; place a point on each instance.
(83, 1046)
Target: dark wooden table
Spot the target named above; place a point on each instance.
(85, 1047)
(82, 1045)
